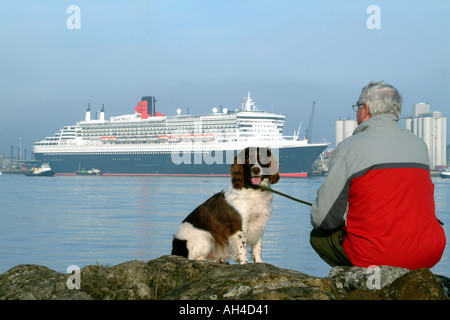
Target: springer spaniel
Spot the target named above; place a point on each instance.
(228, 222)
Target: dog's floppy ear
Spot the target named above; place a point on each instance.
(270, 164)
(274, 178)
(237, 169)
(237, 175)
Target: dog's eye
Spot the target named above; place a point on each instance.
(264, 161)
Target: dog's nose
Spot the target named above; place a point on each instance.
(256, 170)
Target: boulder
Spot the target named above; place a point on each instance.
(177, 278)
(348, 279)
(418, 284)
(389, 283)
(33, 282)
(256, 282)
(136, 280)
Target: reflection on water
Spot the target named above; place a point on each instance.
(83, 220)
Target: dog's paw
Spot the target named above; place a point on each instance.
(256, 258)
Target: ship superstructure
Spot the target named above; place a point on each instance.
(148, 142)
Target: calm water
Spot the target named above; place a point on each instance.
(74, 220)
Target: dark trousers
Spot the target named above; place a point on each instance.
(329, 247)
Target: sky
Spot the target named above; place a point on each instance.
(200, 54)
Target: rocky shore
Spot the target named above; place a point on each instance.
(176, 278)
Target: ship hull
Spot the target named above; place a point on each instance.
(41, 174)
(293, 161)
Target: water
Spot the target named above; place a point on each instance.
(83, 220)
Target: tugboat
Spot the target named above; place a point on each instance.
(92, 172)
(43, 171)
(445, 173)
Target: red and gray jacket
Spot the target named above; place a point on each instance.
(379, 191)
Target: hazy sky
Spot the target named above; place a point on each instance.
(202, 54)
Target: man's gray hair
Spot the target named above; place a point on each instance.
(381, 98)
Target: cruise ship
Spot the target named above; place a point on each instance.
(147, 142)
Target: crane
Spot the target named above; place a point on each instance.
(309, 130)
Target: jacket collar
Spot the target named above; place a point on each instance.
(379, 120)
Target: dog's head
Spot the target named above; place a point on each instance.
(254, 166)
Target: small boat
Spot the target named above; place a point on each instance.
(43, 171)
(445, 173)
(92, 172)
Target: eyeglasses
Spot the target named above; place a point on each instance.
(357, 106)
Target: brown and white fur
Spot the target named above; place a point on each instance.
(230, 221)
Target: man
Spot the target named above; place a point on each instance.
(376, 206)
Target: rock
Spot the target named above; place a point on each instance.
(348, 279)
(177, 278)
(445, 284)
(125, 281)
(173, 272)
(418, 284)
(139, 280)
(32, 282)
(356, 283)
(256, 282)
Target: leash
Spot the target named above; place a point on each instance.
(283, 194)
(298, 200)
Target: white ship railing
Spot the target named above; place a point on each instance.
(168, 147)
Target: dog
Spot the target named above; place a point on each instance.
(230, 221)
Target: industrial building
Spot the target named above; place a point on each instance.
(427, 125)
(344, 128)
(432, 128)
